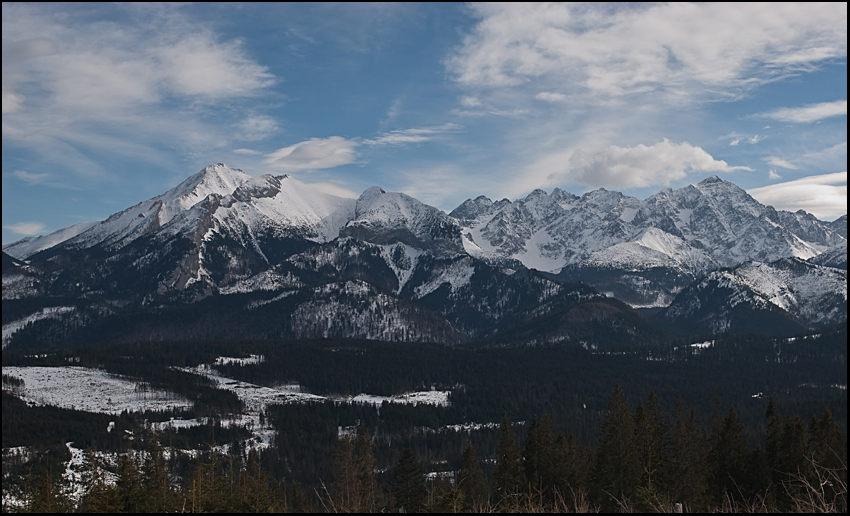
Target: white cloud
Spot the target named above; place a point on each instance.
(640, 166)
(710, 49)
(33, 179)
(414, 135)
(247, 152)
(735, 138)
(810, 113)
(42, 179)
(779, 162)
(824, 196)
(313, 154)
(773, 175)
(26, 228)
(256, 128)
(197, 65)
(551, 97)
(88, 86)
(470, 102)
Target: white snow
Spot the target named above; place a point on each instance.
(256, 397)
(405, 269)
(457, 275)
(27, 247)
(91, 390)
(251, 360)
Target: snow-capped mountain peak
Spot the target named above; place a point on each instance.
(384, 217)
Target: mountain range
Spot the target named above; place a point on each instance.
(228, 255)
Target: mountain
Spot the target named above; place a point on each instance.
(783, 296)
(643, 252)
(224, 255)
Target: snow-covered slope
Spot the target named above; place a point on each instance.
(718, 220)
(755, 296)
(122, 228)
(814, 293)
(688, 232)
(27, 247)
(389, 217)
(835, 256)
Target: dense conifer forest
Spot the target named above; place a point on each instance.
(747, 423)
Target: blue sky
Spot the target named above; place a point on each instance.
(106, 105)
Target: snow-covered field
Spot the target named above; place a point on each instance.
(94, 390)
(256, 397)
(91, 390)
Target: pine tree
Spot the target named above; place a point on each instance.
(617, 471)
(408, 485)
(47, 494)
(509, 470)
(773, 447)
(538, 455)
(156, 481)
(470, 479)
(652, 448)
(131, 493)
(364, 450)
(254, 492)
(728, 456)
(97, 496)
(345, 489)
(689, 474)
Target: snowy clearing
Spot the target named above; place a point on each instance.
(91, 390)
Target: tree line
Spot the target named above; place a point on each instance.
(644, 460)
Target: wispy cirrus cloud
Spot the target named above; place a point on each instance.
(254, 128)
(824, 196)
(413, 135)
(736, 138)
(809, 113)
(779, 162)
(42, 179)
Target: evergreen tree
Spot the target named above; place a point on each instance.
(509, 469)
(538, 455)
(728, 456)
(156, 481)
(364, 451)
(46, 495)
(828, 442)
(617, 471)
(98, 497)
(207, 487)
(254, 492)
(470, 479)
(688, 473)
(345, 489)
(652, 448)
(408, 484)
(131, 492)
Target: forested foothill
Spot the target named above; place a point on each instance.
(735, 422)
